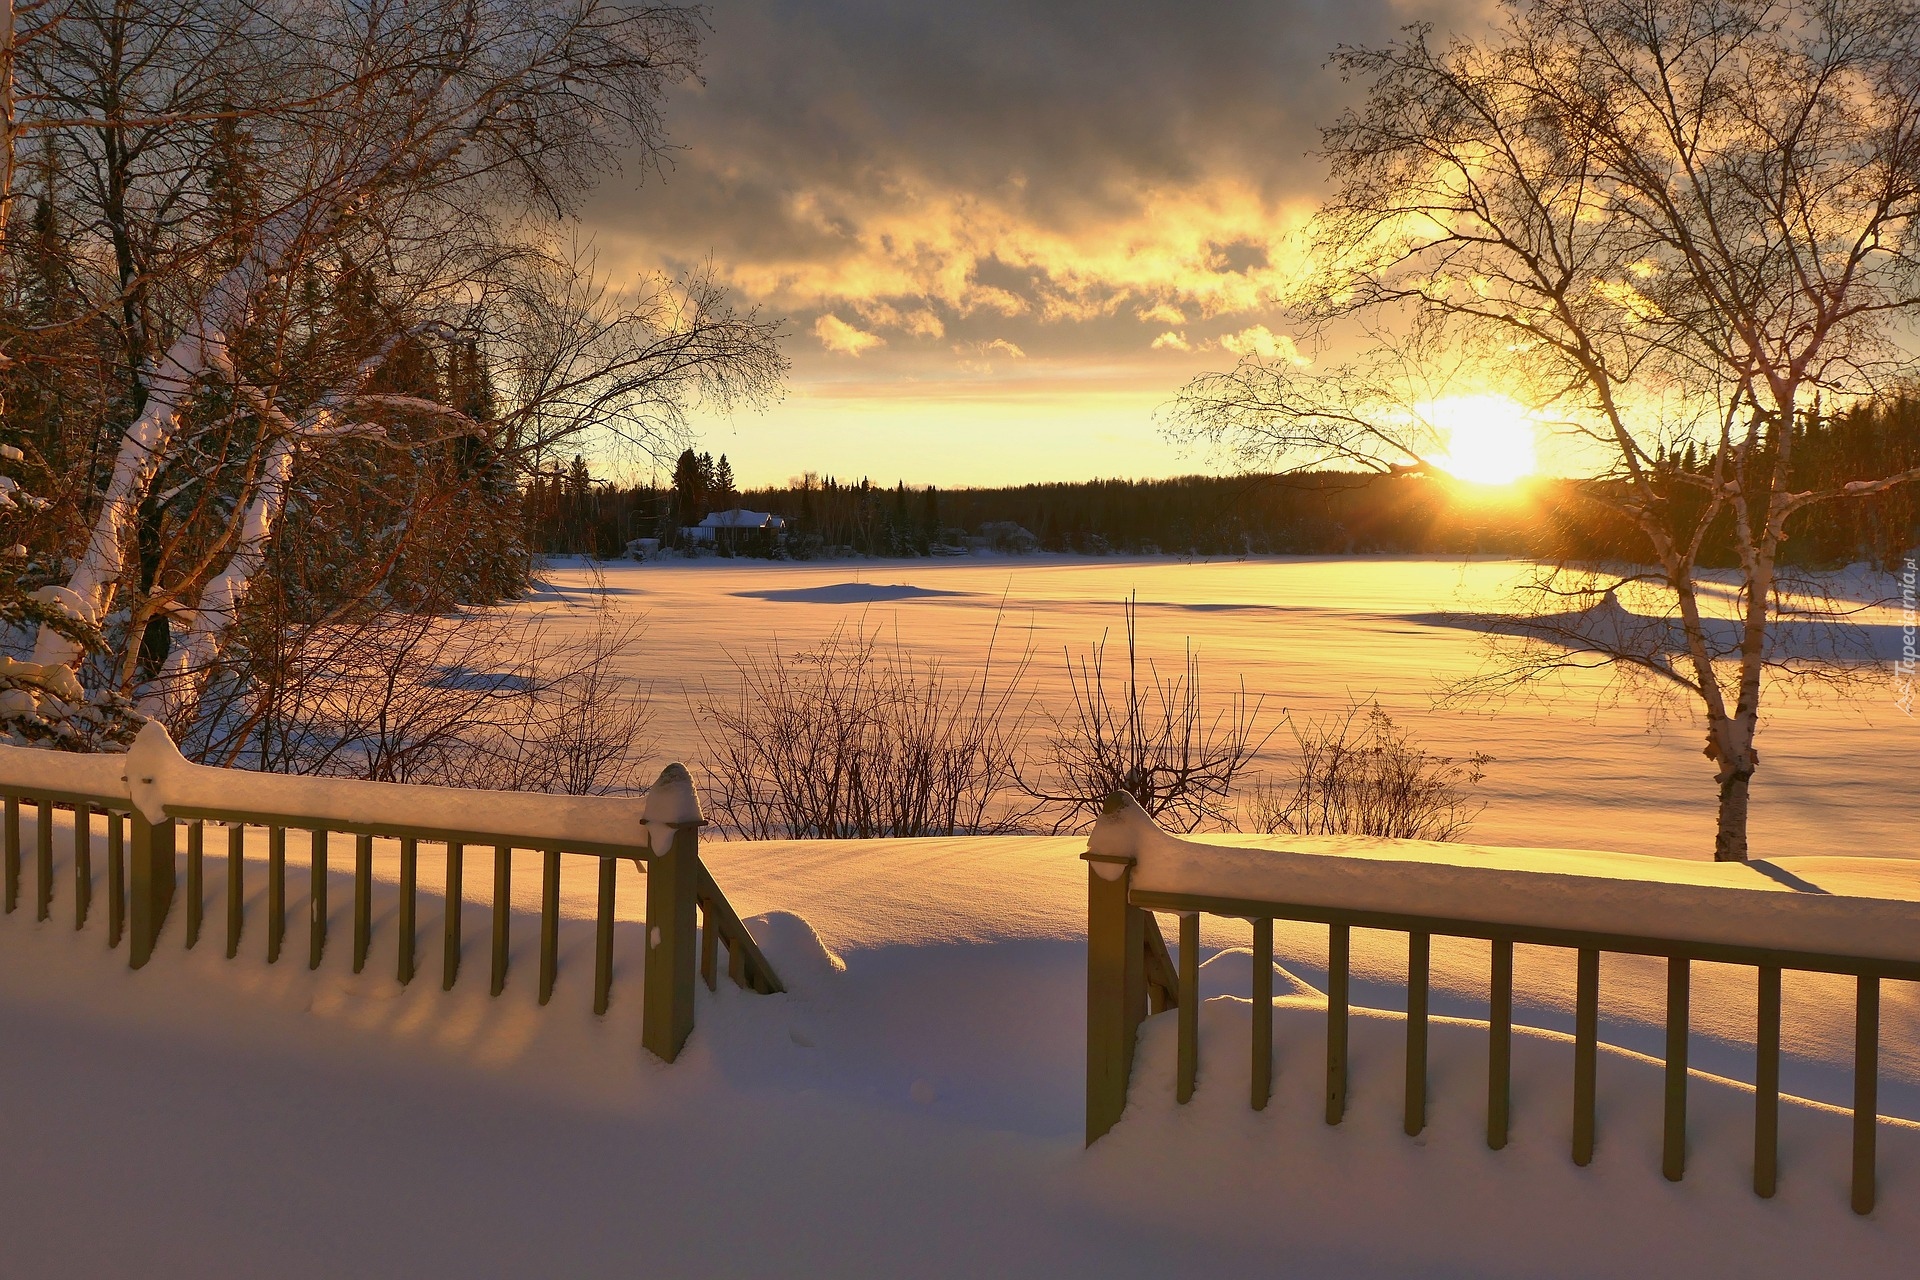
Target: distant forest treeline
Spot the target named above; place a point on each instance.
(1305, 514)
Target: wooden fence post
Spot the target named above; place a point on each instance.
(1116, 987)
(673, 883)
(150, 885)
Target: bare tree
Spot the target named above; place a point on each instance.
(1659, 224)
(1146, 734)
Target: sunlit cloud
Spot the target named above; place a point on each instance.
(1171, 341)
(838, 336)
(1258, 340)
(914, 250)
(918, 323)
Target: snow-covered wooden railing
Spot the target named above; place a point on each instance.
(150, 794)
(1852, 916)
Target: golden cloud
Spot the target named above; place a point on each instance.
(920, 322)
(914, 246)
(1258, 340)
(838, 336)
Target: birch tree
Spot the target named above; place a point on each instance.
(1660, 224)
(390, 102)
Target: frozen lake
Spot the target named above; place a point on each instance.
(1584, 769)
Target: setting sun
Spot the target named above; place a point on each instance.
(1489, 438)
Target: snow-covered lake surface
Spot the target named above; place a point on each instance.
(1584, 768)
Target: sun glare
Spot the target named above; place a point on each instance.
(1489, 438)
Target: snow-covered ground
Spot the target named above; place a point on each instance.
(912, 1106)
(1837, 776)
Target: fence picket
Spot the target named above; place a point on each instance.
(362, 899)
(1339, 953)
(276, 891)
(12, 837)
(736, 962)
(502, 912)
(709, 946)
(603, 939)
(236, 885)
(1673, 1144)
(456, 875)
(409, 899)
(82, 864)
(1866, 1091)
(116, 879)
(196, 879)
(549, 922)
(43, 857)
(1766, 1075)
(317, 899)
(1188, 1013)
(1499, 1044)
(1419, 967)
(1262, 1012)
(1586, 1033)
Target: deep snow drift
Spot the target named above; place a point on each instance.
(912, 1107)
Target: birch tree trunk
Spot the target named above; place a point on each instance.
(170, 386)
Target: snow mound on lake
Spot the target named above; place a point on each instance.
(795, 950)
(847, 593)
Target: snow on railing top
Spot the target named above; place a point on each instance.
(1851, 906)
(159, 782)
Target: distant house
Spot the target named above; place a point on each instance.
(738, 532)
(1005, 535)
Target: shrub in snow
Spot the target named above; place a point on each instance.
(1360, 775)
(854, 740)
(1146, 735)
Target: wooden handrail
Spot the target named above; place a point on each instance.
(746, 963)
(152, 791)
(1122, 974)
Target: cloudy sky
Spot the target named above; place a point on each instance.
(1002, 234)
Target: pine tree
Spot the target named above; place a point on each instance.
(723, 492)
(689, 490)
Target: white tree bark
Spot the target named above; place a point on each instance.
(202, 347)
(189, 662)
